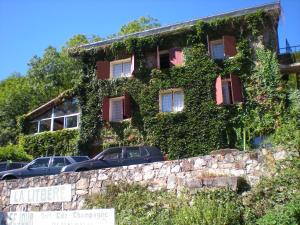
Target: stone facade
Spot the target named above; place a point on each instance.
(223, 168)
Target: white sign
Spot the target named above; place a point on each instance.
(78, 217)
(59, 193)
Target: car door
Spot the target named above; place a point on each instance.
(111, 158)
(38, 167)
(56, 164)
(134, 155)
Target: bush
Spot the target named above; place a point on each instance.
(289, 214)
(136, 205)
(13, 153)
(276, 191)
(212, 208)
(50, 143)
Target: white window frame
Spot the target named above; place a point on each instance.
(122, 98)
(52, 118)
(170, 91)
(121, 61)
(216, 42)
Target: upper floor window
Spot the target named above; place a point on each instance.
(217, 49)
(171, 100)
(65, 115)
(120, 68)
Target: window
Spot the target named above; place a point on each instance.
(116, 109)
(40, 163)
(171, 101)
(120, 68)
(228, 90)
(217, 49)
(60, 162)
(133, 152)
(164, 60)
(115, 153)
(65, 115)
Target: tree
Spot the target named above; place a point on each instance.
(143, 23)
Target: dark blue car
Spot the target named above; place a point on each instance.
(42, 166)
(118, 156)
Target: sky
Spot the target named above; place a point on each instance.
(27, 27)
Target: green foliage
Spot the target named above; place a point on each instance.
(143, 23)
(211, 208)
(13, 153)
(136, 205)
(61, 142)
(288, 214)
(276, 191)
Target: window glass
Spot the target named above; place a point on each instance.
(126, 69)
(144, 152)
(117, 70)
(45, 115)
(45, 125)
(33, 127)
(166, 102)
(218, 51)
(164, 61)
(2, 167)
(59, 162)
(58, 123)
(15, 166)
(68, 107)
(178, 101)
(80, 158)
(117, 110)
(40, 163)
(133, 152)
(71, 121)
(226, 92)
(115, 153)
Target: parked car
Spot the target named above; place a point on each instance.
(8, 165)
(118, 156)
(42, 166)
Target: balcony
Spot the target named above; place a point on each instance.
(289, 59)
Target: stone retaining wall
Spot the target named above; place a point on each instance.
(223, 168)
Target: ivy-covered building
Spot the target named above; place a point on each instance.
(187, 88)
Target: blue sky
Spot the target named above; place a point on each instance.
(27, 27)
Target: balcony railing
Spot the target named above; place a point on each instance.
(290, 54)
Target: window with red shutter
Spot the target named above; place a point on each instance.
(103, 70)
(228, 90)
(175, 56)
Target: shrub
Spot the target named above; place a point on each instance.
(289, 214)
(212, 208)
(13, 153)
(136, 205)
(50, 143)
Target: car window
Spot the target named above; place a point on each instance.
(133, 152)
(2, 166)
(15, 165)
(144, 152)
(40, 163)
(115, 153)
(80, 158)
(59, 162)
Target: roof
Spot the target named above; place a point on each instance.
(177, 26)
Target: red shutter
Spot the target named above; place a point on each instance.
(229, 46)
(103, 70)
(219, 94)
(127, 105)
(236, 89)
(105, 109)
(132, 64)
(157, 58)
(175, 55)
